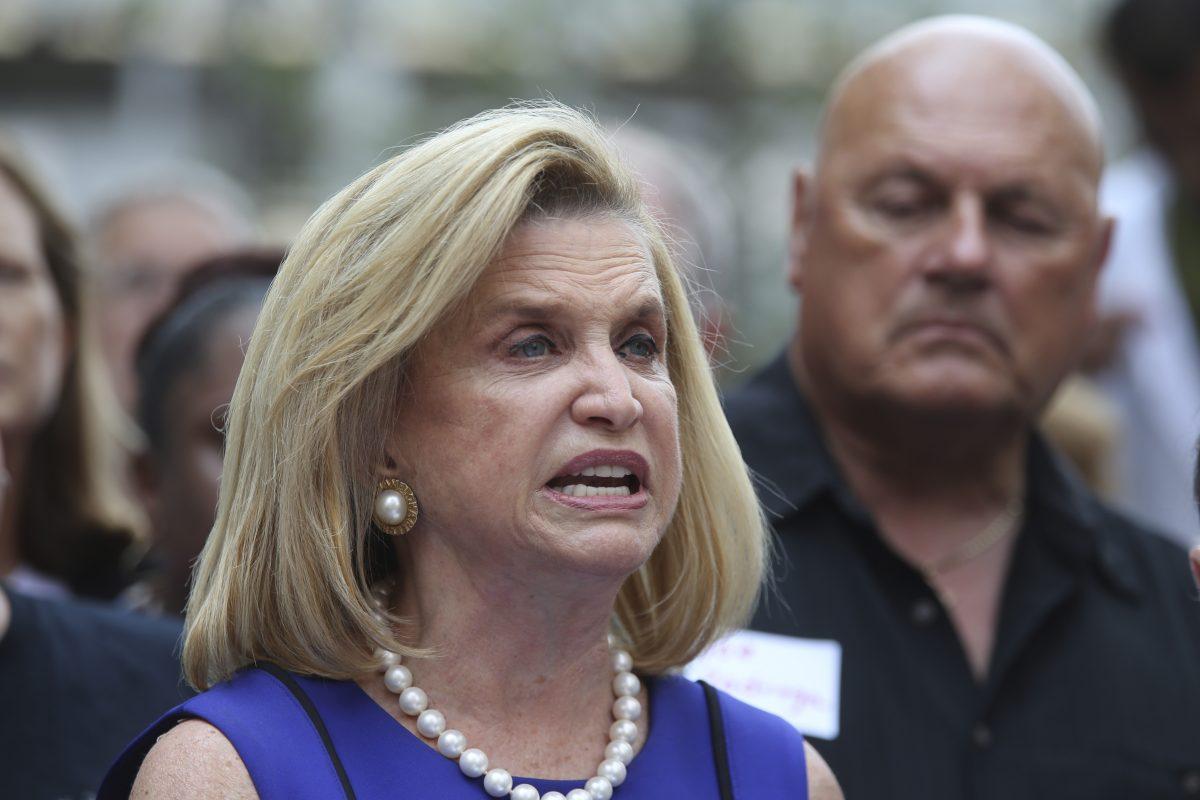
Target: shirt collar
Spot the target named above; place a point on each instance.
(795, 465)
(1063, 510)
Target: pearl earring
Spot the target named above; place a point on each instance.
(395, 507)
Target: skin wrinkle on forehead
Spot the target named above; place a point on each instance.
(914, 69)
(511, 275)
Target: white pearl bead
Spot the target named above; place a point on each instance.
(397, 679)
(599, 788)
(619, 751)
(452, 743)
(473, 762)
(497, 782)
(621, 661)
(626, 684)
(553, 796)
(613, 770)
(431, 723)
(526, 792)
(386, 659)
(413, 701)
(627, 708)
(579, 794)
(622, 731)
(391, 507)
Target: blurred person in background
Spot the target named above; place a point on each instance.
(68, 526)
(680, 188)
(187, 365)
(76, 681)
(1147, 353)
(145, 238)
(1003, 633)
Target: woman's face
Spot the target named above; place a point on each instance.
(540, 432)
(33, 338)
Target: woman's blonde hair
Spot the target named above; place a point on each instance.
(75, 518)
(285, 574)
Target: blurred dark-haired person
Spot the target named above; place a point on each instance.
(76, 681)
(1147, 353)
(145, 238)
(68, 526)
(1003, 633)
(187, 365)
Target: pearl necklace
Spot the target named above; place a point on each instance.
(473, 762)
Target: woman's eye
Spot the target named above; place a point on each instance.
(533, 347)
(642, 346)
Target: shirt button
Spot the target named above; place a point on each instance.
(924, 611)
(981, 736)
(1191, 783)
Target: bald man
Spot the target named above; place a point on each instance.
(1002, 633)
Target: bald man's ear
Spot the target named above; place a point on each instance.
(798, 235)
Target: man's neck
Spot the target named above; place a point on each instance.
(913, 466)
(940, 495)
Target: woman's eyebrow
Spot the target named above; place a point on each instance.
(648, 308)
(537, 312)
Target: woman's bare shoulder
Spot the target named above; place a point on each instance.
(822, 785)
(193, 760)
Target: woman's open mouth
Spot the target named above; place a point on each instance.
(601, 479)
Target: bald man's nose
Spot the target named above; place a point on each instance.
(963, 250)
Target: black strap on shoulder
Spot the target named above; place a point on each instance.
(306, 703)
(716, 728)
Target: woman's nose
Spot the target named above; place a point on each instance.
(606, 395)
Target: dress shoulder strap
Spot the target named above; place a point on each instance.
(763, 755)
(720, 748)
(272, 724)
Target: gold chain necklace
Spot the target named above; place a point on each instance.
(1006, 523)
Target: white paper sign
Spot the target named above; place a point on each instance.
(798, 679)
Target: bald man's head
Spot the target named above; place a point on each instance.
(963, 58)
(948, 245)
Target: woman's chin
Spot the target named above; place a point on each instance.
(604, 549)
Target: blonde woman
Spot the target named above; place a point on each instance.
(478, 500)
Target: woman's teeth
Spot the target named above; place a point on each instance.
(605, 471)
(579, 490)
(601, 480)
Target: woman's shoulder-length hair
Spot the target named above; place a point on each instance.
(75, 517)
(286, 573)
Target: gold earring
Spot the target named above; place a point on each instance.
(395, 507)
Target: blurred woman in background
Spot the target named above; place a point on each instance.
(187, 364)
(68, 525)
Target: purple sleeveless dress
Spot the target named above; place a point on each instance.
(287, 757)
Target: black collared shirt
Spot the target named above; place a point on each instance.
(1094, 686)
